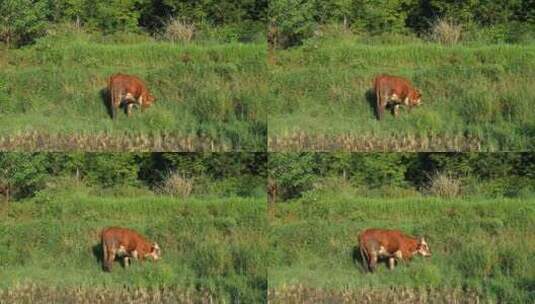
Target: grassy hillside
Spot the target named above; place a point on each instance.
(212, 248)
(482, 248)
(476, 97)
(209, 96)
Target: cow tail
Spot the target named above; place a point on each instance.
(365, 257)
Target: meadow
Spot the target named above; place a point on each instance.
(209, 94)
(476, 97)
(482, 250)
(213, 249)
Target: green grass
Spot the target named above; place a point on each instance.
(475, 97)
(210, 246)
(209, 96)
(481, 248)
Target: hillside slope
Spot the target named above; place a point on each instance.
(209, 97)
(481, 249)
(211, 248)
(475, 97)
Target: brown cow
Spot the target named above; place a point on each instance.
(126, 243)
(128, 90)
(394, 90)
(391, 244)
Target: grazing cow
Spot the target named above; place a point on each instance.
(128, 90)
(391, 244)
(395, 91)
(126, 243)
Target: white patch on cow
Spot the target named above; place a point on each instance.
(382, 252)
(129, 96)
(121, 251)
(391, 263)
(140, 100)
(398, 254)
(406, 101)
(394, 97)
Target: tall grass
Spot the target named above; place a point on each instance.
(475, 97)
(207, 93)
(212, 248)
(482, 249)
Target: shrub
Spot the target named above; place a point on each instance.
(22, 21)
(446, 31)
(177, 30)
(291, 22)
(176, 185)
(444, 185)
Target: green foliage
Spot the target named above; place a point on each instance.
(115, 15)
(402, 174)
(294, 20)
(381, 16)
(232, 174)
(22, 20)
(293, 172)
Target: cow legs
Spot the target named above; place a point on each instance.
(373, 261)
(391, 263)
(395, 110)
(109, 257)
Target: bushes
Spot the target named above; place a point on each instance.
(446, 32)
(176, 184)
(444, 185)
(293, 20)
(177, 30)
(22, 21)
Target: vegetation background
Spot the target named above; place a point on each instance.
(473, 61)
(207, 212)
(204, 62)
(476, 210)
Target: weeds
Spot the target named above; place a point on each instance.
(177, 30)
(176, 185)
(444, 185)
(445, 31)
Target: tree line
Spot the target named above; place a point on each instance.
(494, 173)
(23, 174)
(297, 20)
(24, 20)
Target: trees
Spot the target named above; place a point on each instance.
(22, 20)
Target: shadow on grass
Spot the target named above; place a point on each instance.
(98, 253)
(105, 97)
(372, 101)
(357, 259)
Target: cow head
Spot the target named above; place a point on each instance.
(155, 252)
(422, 248)
(415, 98)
